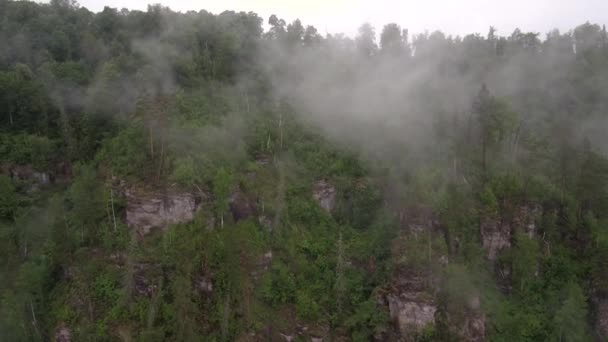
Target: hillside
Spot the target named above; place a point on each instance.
(170, 176)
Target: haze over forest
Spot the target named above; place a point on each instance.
(191, 176)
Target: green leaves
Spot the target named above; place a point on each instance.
(88, 200)
(8, 198)
(222, 186)
(570, 320)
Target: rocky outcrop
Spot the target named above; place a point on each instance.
(468, 321)
(325, 194)
(495, 236)
(241, 206)
(419, 220)
(474, 327)
(204, 284)
(411, 298)
(601, 320)
(149, 210)
(497, 230)
(145, 278)
(411, 303)
(263, 265)
(26, 173)
(262, 159)
(63, 334)
(526, 217)
(411, 311)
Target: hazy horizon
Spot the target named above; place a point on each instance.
(452, 18)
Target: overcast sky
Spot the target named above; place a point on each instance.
(449, 16)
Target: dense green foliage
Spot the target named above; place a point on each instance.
(94, 103)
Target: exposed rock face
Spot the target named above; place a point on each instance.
(411, 299)
(411, 303)
(601, 322)
(265, 222)
(62, 334)
(146, 279)
(325, 194)
(27, 173)
(474, 327)
(412, 311)
(495, 236)
(497, 232)
(263, 265)
(241, 206)
(262, 159)
(204, 284)
(418, 220)
(146, 211)
(525, 218)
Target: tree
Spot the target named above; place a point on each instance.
(277, 28)
(222, 184)
(311, 36)
(570, 320)
(525, 260)
(366, 40)
(496, 122)
(295, 33)
(391, 40)
(88, 202)
(8, 198)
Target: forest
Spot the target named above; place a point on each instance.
(189, 176)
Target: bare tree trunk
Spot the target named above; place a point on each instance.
(34, 320)
(112, 205)
(340, 274)
(281, 130)
(515, 146)
(90, 305)
(151, 143)
(154, 306)
(162, 159)
(225, 317)
(65, 128)
(280, 199)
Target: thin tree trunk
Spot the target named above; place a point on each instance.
(112, 205)
(281, 130)
(225, 317)
(162, 159)
(151, 143)
(34, 320)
